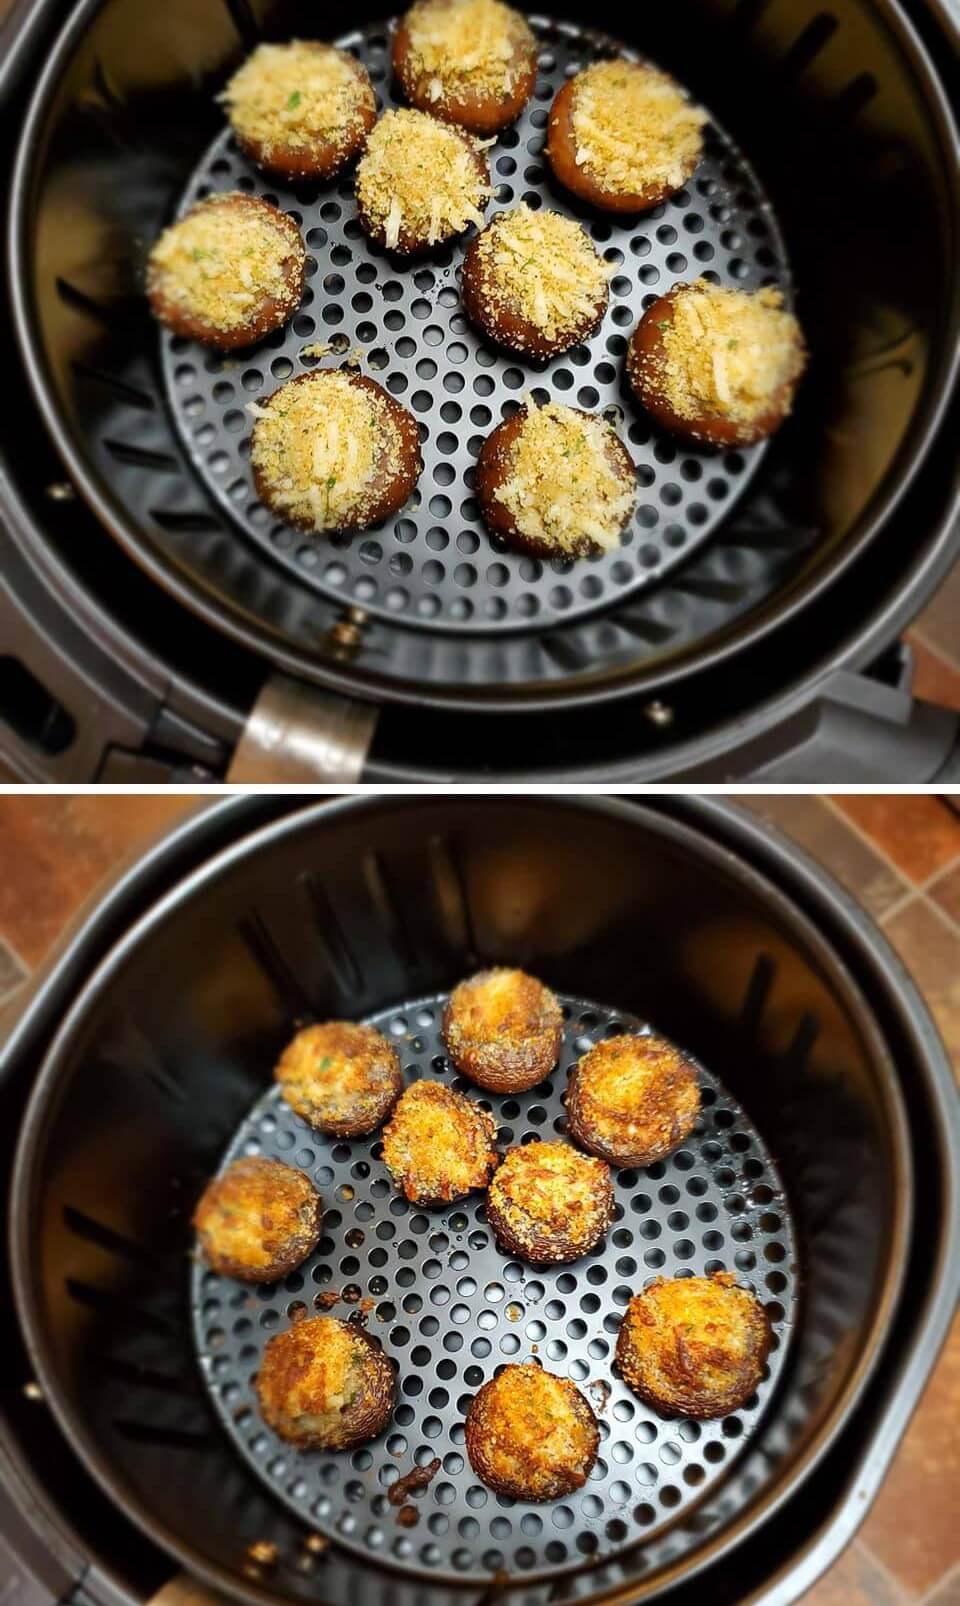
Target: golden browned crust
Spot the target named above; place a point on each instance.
(324, 1384)
(438, 1146)
(632, 1099)
(310, 136)
(502, 1029)
(341, 1077)
(588, 183)
(694, 1346)
(258, 1221)
(646, 364)
(272, 299)
(531, 1435)
(549, 1204)
(494, 471)
(474, 97)
(396, 472)
(494, 293)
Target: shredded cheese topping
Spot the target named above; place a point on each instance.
(420, 178)
(222, 261)
(324, 445)
(543, 268)
(726, 352)
(478, 45)
(563, 487)
(296, 95)
(634, 128)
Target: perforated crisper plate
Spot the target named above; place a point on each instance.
(435, 564)
(450, 1309)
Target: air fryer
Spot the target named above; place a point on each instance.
(136, 1069)
(747, 626)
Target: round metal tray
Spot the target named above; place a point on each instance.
(435, 563)
(450, 1309)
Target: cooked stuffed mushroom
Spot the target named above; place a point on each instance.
(258, 1221)
(632, 1099)
(531, 1435)
(300, 110)
(341, 1077)
(502, 1030)
(227, 273)
(548, 1204)
(324, 1384)
(438, 1146)
(694, 1346)
(470, 62)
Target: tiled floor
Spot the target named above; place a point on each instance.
(899, 856)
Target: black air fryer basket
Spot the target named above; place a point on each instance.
(830, 169)
(822, 1077)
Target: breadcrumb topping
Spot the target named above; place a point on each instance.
(339, 1072)
(563, 487)
(636, 1092)
(477, 45)
(293, 96)
(256, 1212)
(222, 261)
(438, 1145)
(532, 1432)
(550, 1188)
(310, 1374)
(695, 1344)
(420, 178)
(324, 444)
(726, 352)
(543, 268)
(634, 128)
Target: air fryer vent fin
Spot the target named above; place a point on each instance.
(121, 387)
(103, 313)
(185, 1387)
(388, 907)
(856, 96)
(95, 1232)
(142, 457)
(116, 1306)
(758, 991)
(644, 628)
(174, 1438)
(450, 894)
(187, 521)
(809, 43)
(331, 935)
(806, 1034)
(241, 15)
(271, 961)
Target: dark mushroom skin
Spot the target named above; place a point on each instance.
(438, 1145)
(325, 1384)
(694, 1346)
(632, 1099)
(273, 308)
(342, 1077)
(548, 1204)
(258, 1221)
(531, 1435)
(493, 472)
(502, 1030)
(645, 356)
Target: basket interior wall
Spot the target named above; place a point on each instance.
(344, 917)
(823, 104)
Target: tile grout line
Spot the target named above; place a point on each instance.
(897, 1585)
(933, 647)
(952, 1575)
(857, 831)
(19, 962)
(941, 874)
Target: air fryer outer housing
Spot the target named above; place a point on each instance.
(812, 1527)
(169, 691)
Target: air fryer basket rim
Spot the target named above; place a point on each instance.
(44, 1099)
(256, 636)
